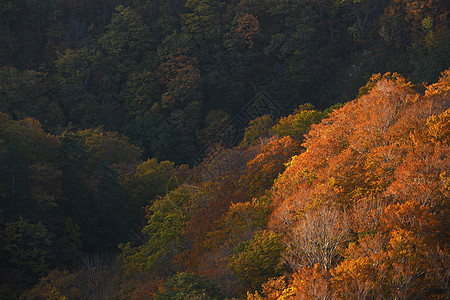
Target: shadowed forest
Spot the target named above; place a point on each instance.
(194, 149)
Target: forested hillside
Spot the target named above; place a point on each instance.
(170, 74)
(350, 202)
(224, 149)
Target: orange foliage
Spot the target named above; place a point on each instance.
(366, 215)
(353, 277)
(377, 169)
(147, 290)
(353, 154)
(182, 78)
(274, 289)
(311, 283)
(174, 63)
(420, 176)
(221, 211)
(268, 164)
(441, 88)
(249, 29)
(413, 217)
(214, 200)
(439, 128)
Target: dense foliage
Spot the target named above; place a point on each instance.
(208, 149)
(358, 207)
(169, 74)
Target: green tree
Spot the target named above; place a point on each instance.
(152, 179)
(182, 102)
(17, 149)
(257, 260)
(297, 124)
(77, 67)
(163, 235)
(141, 92)
(109, 212)
(203, 20)
(74, 184)
(189, 286)
(127, 42)
(107, 146)
(258, 129)
(95, 199)
(24, 248)
(155, 137)
(29, 94)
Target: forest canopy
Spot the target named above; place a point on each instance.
(356, 205)
(192, 149)
(172, 75)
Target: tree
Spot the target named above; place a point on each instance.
(182, 101)
(112, 215)
(318, 238)
(268, 164)
(365, 12)
(312, 283)
(257, 260)
(74, 185)
(97, 278)
(107, 146)
(56, 285)
(162, 236)
(152, 179)
(189, 286)
(374, 168)
(296, 125)
(141, 92)
(25, 249)
(77, 67)
(274, 288)
(203, 21)
(216, 121)
(28, 94)
(155, 137)
(258, 129)
(127, 40)
(354, 278)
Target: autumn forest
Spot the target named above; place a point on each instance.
(211, 149)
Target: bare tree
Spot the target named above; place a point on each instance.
(99, 276)
(317, 238)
